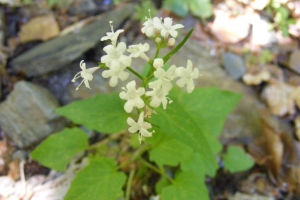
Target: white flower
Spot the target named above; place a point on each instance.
(133, 96)
(158, 62)
(115, 57)
(115, 73)
(86, 74)
(164, 78)
(158, 95)
(141, 126)
(169, 29)
(151, 26)
(186, 76)
(139, 50)
(113, 36)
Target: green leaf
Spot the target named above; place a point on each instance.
(161, 184)
(188, 185)
(58, 149)
(99, 180)
(236, 160)
(201, 8)
(178, 124)
(104, 113)
(195, 164)
(177, 6)
(141, 11)
(197, 119)
(169, 151)
(209, 108)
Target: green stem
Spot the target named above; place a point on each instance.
(156, 169)
(135, 155)
(135, 73)
(129, 183)
(171, 53)
(157, 51)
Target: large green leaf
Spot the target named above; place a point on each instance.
(236, 160)
(201, 8)
(58, 149)
(99, 180)
(169, 151)
(194, 163)
(177, 6)
(178, 124)
(197, 119)
(187, 185)
(104, 113)
(209, 107)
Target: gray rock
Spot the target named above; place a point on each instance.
(82, 7)
(28, 114)
(234, 65)
(57, 53)
(61, 85)
(294, 61)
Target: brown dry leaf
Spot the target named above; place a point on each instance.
(274, 149)
(294, 61)
(14, 169)
(230, 29)
(279, 98)
(256, 78)
(5, 156)
(296, 96)
(259, 4)
(297, 127)
(39, 28)
(290, 172)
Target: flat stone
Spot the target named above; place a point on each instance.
(294, 61)
(28, 114)
(234, 65)
(58, 52)
(82, 7)
(61, 85)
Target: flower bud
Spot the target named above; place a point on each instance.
(158, 63)
(171, 42)
(157, 40)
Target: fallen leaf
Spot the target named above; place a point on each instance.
(279, 98)
(294, 61)
(259, 4)
(296, 96)
(39, 28)
(297, 127)
(230, 29)
(5, 156)
(256, 79)
(14, 169)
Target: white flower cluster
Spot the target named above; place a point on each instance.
(163, 32)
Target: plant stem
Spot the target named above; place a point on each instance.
(129, 183)
(135, 156)
(135, 73)
(156, 169)
(171, 53)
